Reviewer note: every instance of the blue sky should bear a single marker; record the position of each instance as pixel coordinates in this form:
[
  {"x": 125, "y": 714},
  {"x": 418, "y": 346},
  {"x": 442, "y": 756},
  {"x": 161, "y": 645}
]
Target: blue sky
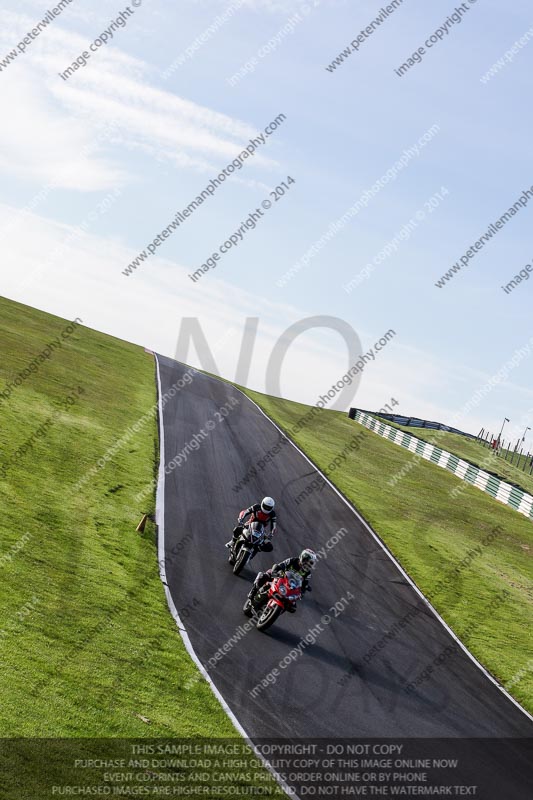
[{"x": 343, "y": 130}]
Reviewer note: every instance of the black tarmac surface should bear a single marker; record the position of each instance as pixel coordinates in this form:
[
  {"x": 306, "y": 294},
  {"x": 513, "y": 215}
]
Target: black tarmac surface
[{"x": 329, "y": 689}]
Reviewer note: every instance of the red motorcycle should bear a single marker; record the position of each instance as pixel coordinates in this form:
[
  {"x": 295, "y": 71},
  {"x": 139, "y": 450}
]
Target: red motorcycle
[{"x": 281, "y": 594}]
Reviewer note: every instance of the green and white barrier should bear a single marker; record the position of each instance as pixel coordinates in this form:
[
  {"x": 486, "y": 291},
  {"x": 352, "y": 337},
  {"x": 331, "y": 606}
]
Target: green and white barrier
[{"x": 497, "y": 488}]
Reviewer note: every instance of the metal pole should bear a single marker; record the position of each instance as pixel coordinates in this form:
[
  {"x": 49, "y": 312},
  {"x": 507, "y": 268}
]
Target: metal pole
[
  {"x": 525, "y": 433},
  {"x": 505, "y": 419}
]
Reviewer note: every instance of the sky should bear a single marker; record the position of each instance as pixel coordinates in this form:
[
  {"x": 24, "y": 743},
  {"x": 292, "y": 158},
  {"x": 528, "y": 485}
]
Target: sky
[{"x": 97, "y": 162}]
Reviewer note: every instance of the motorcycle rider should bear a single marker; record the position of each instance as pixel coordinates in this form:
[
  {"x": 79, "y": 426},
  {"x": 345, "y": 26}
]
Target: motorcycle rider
[
  {"x": 302, "y": 564},
  {"x": 258, "y": 512}
]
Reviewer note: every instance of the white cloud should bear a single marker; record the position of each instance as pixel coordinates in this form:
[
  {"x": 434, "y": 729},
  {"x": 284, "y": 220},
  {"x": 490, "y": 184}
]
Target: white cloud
[
  {"x": 40, "y": 143},
  {"x": 83, "y": 277},
  {"x": 50, "y": 127}
]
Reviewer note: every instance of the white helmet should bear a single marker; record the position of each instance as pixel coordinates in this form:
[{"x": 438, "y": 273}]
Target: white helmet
[
  {"x": 308, "y": 558},
  {"x": 267, "y": 504}
]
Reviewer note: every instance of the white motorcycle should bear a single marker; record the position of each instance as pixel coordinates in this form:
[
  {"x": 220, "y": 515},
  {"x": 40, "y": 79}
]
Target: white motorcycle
[{"x": 252, "y": 540}]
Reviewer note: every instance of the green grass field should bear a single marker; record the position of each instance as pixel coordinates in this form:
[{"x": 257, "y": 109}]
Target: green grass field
[
  {"x": 430, "y": 533},
  {"x": 87, "y": 645},
  {"x": 473, "y": 451}
]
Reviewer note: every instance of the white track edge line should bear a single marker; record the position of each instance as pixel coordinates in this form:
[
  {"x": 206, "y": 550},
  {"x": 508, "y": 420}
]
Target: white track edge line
[
  {"x": 160, "y": 520},
  {"x": 394, "y": 561}
]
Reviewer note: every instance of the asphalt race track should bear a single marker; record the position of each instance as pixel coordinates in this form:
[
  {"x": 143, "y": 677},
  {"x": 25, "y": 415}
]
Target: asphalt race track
[{"x": 329, "y": 690}]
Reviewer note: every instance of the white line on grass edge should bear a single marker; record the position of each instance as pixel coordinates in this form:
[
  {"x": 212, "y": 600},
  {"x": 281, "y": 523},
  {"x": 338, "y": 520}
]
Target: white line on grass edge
[{"x": 160, "y": 520}]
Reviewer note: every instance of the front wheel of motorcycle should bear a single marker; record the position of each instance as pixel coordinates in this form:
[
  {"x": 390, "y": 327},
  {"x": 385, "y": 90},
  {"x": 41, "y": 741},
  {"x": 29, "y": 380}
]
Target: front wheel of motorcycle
[
  {"x": 242, "y": 560},
  {"x": 234, "y": 549},
  {"x": 268, "y": 617},
  {"x": 247, "y": 608}
]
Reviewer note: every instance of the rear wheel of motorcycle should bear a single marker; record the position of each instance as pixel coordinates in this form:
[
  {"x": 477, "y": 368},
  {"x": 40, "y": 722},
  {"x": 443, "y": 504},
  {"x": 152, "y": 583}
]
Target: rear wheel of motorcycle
[
  {"x": 242, "y": 560},
  {"x": 268, "y": 617}
]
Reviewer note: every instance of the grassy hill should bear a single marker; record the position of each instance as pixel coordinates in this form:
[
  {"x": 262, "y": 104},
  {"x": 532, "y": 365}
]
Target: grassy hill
[{"x": 87, "y": 645}]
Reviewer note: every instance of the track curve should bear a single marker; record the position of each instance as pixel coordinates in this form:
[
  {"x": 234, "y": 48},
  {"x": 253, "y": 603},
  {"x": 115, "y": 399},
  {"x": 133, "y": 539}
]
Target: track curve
[{"x": 329, "y": 690}]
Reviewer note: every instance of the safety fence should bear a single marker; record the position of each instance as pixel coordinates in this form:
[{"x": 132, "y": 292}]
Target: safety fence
[
  {"x": 414, "y": 422},
  {"x": 513, "y": 453},
  {"x": 510, "y": 495}
]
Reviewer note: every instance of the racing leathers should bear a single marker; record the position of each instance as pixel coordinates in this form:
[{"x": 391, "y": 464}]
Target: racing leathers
[
  {"x": 255, "y": 514},
  {"x": 293, "y": 564}
]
